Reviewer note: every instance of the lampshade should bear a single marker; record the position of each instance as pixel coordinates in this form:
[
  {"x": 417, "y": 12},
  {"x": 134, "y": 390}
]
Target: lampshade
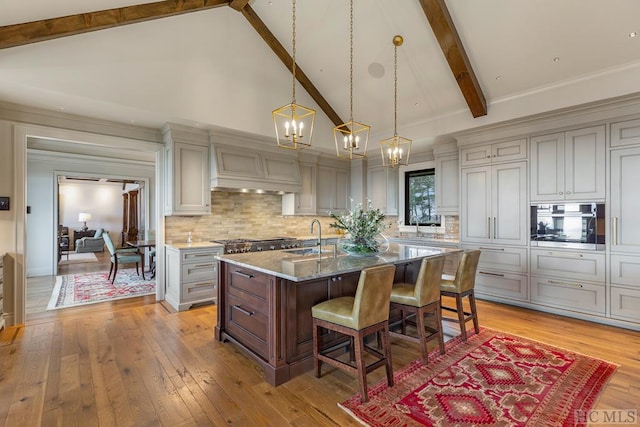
[{"x": 84, "y": 217}]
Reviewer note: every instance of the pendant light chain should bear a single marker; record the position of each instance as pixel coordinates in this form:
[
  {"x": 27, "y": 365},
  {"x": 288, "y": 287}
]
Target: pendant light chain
[
  {"x": 293, "y": 51},
  {"x": 351, "y": 61},
  {"x": 395, "y": 90}
]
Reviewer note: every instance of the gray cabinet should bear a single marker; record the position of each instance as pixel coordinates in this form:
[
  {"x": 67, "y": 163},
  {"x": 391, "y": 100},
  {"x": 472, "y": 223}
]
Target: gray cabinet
[
  {"x": 447, "y": 184},
  {"x": 568, "y": 165},
  {"x": 494, "y": 204},
  {"x": 303, "y": 202},
  {"x": 187, "y": 172},
  {"x": 192, "y": 275},
  {"x": 493, "y": 153},
  {"x": 382, "y": 189},
  {"x": 333, "y": 189},
  {"x": 625, "y": 215}
]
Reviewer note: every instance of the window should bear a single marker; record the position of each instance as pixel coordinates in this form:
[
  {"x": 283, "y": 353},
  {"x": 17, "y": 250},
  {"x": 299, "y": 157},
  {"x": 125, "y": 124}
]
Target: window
[{"x": 420, "y": 198}]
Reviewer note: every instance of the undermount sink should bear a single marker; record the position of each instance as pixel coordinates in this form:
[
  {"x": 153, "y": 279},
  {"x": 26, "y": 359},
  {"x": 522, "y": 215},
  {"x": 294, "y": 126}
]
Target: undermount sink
[{"x": 307, "y": 251}]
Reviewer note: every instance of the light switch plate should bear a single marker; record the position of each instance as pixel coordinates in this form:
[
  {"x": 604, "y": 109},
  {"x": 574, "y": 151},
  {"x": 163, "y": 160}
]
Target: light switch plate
[{"x": 4, "y": 203}]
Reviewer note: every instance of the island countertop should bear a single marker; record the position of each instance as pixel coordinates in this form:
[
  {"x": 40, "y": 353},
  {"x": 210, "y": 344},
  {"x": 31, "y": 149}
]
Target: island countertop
[{"x": 295, "y": 267}]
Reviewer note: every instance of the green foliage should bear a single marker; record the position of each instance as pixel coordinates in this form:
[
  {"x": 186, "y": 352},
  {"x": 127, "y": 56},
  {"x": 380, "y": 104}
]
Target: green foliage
[{"x": 363, "y": 225}]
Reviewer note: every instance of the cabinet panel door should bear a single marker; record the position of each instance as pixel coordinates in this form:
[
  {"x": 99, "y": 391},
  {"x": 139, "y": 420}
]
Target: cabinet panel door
[
  {"x": 343, "y": 185},
  {"x": 191, "y": 179},
  {"x": 377, "y": 188},
  {"x": 625, "y": 270},
  {"x": 306, "y": 199},
  {"x": 447, "y": 184},
  {"x": 509, "y": 150},
  {"x": 509, "y": 207},
  {"x": 625, "y": 303},
  {"x": 475, "y": 155},
  {"x": 547, "y": 167},
  {"x": 585, "y": 164},
  {"x": 476, "y": 205},
  {"x": 625, "y": 133},
  {"x": 625, "y": 203},
  {"x": 325, "y": 187}
]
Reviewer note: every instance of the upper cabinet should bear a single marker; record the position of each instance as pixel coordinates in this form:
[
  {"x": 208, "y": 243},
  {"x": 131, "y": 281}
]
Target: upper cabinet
[
  {"x": 332, "y": 189},
  {"x": 493, "y": 153},
  {"x": 304, "y": 201},
  {"x": 568, "y": 165},
  {"x": 447, "y": 184},
  {"x": 187, "y": 171},
  {"x": 382, "y": 189}
]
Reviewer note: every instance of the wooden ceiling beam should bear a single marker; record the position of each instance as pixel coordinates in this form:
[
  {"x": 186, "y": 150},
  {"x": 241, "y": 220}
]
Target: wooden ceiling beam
[
  {"x": 287, "y": 60},
  {"x": 445, "y": 31},
  {"x": 238, "y": 4},
  {"x": 48, "y": 29}
]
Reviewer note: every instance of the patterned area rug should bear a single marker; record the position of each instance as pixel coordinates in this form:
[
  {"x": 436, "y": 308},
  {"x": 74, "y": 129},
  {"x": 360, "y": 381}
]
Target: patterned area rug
[
  {"x": 495, "y": 379},
  {"x": 89, "y": 288}
]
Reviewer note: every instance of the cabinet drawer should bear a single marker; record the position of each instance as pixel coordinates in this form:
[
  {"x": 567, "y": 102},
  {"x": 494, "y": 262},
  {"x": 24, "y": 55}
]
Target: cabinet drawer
[
  {"x": 247, "y": 282},
  {"x": 625, "y": 303},
  {"x": 505, "y": 285},
  {"x": 200, "y": 290},
  {"x": 206, "y": 255},
  {"x": 501, "y": 258},
  {"x": 247, "y": 324},
  {"x": 625, "y": 270},
  {"x": 569, "y": 265},
  {"x": 576, "y": 296},
  {"x": 203, "y": 270}
]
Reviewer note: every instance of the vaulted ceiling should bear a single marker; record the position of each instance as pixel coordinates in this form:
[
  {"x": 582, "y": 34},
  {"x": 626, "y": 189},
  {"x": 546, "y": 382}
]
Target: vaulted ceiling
[{"x": 463, "y": 63}]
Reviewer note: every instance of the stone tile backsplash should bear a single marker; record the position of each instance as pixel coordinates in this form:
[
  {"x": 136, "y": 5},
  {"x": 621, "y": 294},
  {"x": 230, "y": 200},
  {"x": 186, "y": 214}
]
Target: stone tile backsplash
[{"x": 251, "y": 215}]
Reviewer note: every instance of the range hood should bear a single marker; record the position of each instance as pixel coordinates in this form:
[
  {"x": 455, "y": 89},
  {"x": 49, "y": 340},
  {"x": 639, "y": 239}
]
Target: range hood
[{"x": 248, "y": 170}]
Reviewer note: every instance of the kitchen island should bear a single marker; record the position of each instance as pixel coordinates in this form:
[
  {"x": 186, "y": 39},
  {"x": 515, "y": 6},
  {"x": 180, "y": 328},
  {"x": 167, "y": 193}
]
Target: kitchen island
[{"x": 265, "y": 299}]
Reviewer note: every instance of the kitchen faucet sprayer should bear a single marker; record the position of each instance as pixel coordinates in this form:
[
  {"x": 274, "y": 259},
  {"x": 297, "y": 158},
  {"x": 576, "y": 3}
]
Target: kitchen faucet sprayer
[{"x": 315, "y": 221}]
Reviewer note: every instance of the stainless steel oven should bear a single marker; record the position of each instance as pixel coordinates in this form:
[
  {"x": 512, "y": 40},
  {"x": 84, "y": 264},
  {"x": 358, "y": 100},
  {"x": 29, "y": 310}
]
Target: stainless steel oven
[{"x": 568, "y": 225}]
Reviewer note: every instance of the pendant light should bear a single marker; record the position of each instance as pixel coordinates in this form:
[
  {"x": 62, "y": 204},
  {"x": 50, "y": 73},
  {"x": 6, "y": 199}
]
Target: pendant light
[
  {"x": 293, "y": 122},
  {"x": 395, "y": 150},
  {"x": 352, "y": 137}
]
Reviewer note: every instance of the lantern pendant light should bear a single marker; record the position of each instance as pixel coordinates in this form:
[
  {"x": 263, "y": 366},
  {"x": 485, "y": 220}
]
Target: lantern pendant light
[
  {"x": 351, "y": 138},
  {"x": 395, "y": 150},
  {"x": 293, "y": 122}
]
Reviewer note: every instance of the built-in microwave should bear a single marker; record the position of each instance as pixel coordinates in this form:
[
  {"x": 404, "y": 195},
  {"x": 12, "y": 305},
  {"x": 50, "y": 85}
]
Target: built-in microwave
[{"x": 568, "y": 225}]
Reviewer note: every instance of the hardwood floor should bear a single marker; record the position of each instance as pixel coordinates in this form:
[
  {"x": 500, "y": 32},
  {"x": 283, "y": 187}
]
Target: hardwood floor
[
  {"x": 39, "y": 289},
  {"x": 135, "y": 362}
]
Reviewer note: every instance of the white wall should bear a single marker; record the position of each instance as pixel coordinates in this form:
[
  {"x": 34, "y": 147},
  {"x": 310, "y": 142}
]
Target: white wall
[{"x": 103, "y": 200}]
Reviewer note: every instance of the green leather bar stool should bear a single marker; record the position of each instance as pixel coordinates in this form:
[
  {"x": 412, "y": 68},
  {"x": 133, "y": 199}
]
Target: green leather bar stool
[
  {"x": 462, "y": 286},
  {"x": 421, "y": 300},
  {"x": 365, "y": 314}
]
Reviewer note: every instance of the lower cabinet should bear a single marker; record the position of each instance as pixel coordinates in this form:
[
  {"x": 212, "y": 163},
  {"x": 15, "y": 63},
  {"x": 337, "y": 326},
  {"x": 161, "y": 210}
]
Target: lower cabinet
[
  {"x": 504, "y": 285},
  {"x": 582, "y": 297},
  {"x": 625, "y": 287},
  {"x": 192, "y": 276}
]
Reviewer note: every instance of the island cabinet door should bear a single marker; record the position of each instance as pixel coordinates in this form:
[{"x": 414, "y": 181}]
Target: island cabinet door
[{"x": 300, "y": 297}]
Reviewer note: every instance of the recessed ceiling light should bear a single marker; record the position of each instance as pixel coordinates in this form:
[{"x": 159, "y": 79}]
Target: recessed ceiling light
[
  {"x": 417, "y": 104},
  {"x": 556, "y": 59},
  {"x": 61, "y": 108},
  {"x": 632, "y": 34},
  {"x": 498, "y": 77}
]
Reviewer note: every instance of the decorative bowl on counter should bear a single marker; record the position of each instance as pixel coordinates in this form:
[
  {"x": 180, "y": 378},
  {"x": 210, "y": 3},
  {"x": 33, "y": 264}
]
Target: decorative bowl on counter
[{"x": 363, "y": 247}]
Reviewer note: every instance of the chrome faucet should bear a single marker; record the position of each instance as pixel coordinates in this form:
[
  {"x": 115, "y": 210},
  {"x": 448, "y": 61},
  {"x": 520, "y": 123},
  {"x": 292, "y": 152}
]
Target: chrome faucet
[
  {"x": 315, "y": 221},
  {"x": 415, "y": 218}
]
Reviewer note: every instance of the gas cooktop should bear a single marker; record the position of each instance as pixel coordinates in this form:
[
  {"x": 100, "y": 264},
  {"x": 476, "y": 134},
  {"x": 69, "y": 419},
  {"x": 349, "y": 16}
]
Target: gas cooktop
[{"x": 260, "y": 244}]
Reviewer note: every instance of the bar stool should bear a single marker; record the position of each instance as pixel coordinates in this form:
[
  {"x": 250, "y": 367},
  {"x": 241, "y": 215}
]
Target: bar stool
[
  {"x": 357, "y": 317},
  {"x": 462, "y": 286},
  {"x": 419, "y": 300}
]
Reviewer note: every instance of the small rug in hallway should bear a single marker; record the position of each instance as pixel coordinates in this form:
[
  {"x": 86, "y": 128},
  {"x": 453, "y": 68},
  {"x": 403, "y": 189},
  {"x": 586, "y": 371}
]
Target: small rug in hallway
[
  {"x": 495, "y": 379},
  {"x": 75, "y": 258},
  {"x": 88, "y": 288}
]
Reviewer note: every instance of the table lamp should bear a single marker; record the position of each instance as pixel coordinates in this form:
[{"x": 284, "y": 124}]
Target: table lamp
[{"x": 84, "y": 217}]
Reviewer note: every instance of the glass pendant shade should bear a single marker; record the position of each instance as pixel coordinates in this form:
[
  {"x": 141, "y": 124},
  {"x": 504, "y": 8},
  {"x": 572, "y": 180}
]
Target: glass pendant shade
[
  {"x": 294, "y": 126},
  {"x": 351, "y": 140},
  {"x": 395, "y": 151}
]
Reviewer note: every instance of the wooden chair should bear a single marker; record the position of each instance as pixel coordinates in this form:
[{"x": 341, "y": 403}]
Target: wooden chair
[
  {"x": 365, "y": 314},
  {"x": 419, "y": 300},
  {"x": 122, "y": 256},
  {"x": 462, "y": 286}
]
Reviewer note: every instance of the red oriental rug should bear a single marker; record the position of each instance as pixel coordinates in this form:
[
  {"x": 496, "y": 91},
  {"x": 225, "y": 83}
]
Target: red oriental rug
[
  {"x": 88, "y": 288},
  {"x": 495, "y": 379}
]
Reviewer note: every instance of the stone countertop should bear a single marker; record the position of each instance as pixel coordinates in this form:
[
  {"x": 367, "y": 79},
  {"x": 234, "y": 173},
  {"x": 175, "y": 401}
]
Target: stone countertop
[
  {"x": 425, "y": 241},
  {"x": 193, "y": 245},
  {"x": 299, "y": 268}
]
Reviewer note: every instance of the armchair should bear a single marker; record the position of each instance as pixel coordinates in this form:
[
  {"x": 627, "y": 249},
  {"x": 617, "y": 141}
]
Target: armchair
[{"x": 91, "y": 244}]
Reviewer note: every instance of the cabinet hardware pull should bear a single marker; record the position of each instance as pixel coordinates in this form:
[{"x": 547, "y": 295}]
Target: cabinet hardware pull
[
  {"x": 573, "y": 285},
  {"x": 563, "y": 255},
  {"x": 494, "y": 227},
  {"x": 491, "y": 249},
  {"x": 491, "y": 274},
  {"x": 195, "y": 285},
  {"x": 243, "y": 274},
  {"x": 203, "y": 265},
  {"x": 568, "y": 192},
  {"x": 614, "y": 232},
  {"x": 489, "y": 227},
  {"x": 200, "y": 255},
  {"x": 242, "y": 310}
]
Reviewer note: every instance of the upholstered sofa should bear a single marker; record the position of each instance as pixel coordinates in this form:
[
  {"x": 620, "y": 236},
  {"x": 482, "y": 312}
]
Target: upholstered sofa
[{"x": 91, "y": 244}]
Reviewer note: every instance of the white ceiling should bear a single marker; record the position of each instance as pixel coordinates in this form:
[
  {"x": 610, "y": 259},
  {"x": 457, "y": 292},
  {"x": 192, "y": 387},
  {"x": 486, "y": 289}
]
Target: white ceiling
[{"x": 211, "y": 68}]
